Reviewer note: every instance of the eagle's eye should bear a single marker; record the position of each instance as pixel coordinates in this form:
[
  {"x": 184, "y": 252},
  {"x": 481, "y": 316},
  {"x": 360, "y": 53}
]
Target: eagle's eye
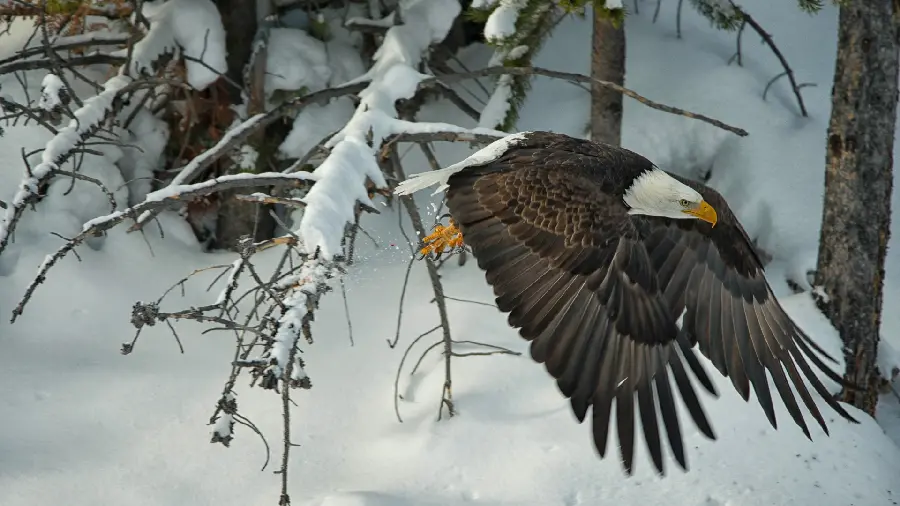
[{"x": 684, "y": 203}]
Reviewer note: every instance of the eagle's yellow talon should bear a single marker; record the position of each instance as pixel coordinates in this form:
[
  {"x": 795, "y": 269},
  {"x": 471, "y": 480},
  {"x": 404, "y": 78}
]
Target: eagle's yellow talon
[{"x": 441, "y": 239}]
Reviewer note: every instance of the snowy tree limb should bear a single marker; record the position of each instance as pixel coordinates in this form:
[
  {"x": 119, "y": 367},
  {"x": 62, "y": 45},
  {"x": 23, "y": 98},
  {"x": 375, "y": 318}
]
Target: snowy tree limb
[
  {"x": 235, "y": 137},
  {"x": 291, "y": 294},
  {"x": 147, "y": 210},
  {"x": 86, "y": 121},
  {"x": 17, "y": 110},
  {"x": 157, "y": 200},
  {"x": 255, "y": 123}
]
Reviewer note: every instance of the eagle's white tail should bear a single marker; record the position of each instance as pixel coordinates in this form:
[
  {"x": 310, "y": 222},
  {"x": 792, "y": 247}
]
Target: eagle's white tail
[
  {"x": 487, "y": 154},
  {"x": 423, "y": 180}
]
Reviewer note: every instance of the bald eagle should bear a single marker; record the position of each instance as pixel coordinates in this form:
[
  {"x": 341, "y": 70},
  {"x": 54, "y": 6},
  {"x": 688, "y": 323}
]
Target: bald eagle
[{"x": 596, "y": 253}]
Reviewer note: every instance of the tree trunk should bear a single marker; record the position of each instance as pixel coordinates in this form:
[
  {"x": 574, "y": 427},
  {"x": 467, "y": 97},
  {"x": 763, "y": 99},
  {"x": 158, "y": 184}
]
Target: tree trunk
[
  {"x": 607, "y": 64},
  {"x": 239, "y": 20},
  {"x": 858, "y": 184},
  {"x": 236, "y": 218}
]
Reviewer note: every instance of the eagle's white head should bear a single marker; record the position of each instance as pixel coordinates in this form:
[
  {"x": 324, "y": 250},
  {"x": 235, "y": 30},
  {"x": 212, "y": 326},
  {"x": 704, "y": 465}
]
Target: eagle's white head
[{"x": 655, "y": 193}]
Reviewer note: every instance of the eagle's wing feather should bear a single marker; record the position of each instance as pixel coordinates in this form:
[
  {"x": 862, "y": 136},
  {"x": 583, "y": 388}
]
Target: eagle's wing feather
[
  {"x": 566, "y": 264},
  {"x": 598, "y": 293},
  {"x": 714, "y": 275}
]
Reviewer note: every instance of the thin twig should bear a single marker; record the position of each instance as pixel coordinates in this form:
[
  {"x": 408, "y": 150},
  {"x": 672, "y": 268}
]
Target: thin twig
[
  {"x": 469, "y": 301},
  {"x": 416, "y": 218},
  {"x": 409, "y": 265},
  {"x": 400, "y": 368},
  {"x": 738, "y": 54}
]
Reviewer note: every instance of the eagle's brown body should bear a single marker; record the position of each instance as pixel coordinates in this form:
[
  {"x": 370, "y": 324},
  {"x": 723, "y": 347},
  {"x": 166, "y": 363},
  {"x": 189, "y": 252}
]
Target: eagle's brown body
[{"x": 598, "y": 291}]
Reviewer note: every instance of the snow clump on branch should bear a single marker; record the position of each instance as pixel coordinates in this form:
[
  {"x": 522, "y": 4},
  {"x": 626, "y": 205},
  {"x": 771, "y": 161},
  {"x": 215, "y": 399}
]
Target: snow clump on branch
[
  {"x": 193, "y": 27},
  {"x": 340, "y": 180}
]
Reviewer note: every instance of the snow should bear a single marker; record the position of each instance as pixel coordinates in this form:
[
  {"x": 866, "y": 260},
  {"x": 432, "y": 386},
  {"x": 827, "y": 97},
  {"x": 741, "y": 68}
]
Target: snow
[
  {"x": 295, "y": 60},
  {"x": 231, "y": 282},
  {"x": 224, "y": 425},
  {"x": 246, "y": 158},
  {"x": 425, "y": 22},
  {"x": 495, "y": 111},
  {"x": 142, "y": 152},
  {"x": 502, "y": 22},
  {"x": 192, "y": 26},
  {"x": 84, "y": 425},
  {"x": 484, "y": 4},
  {"x": 51, "y": 86},
  {"x": 334, "y": 62},
  {"x": 313, "y": 123}
]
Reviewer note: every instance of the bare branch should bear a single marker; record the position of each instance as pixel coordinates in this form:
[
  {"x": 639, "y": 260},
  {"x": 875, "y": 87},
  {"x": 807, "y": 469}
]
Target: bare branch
[
  {"x": 49, "y": 63},
  {"x": 581, "y": 78},
  {"x": 437, "y": 286},
  {"x": 787, "y": 68},
  {"x": 155, "y": 201},
  {"x": 90, "y": 39},
  {"x": 400, "y": 368}
]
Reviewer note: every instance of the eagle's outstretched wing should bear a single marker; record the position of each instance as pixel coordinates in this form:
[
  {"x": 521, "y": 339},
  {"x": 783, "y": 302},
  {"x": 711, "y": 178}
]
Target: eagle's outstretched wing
[
  {"x": 598, "y": 294},
  {"x": 567, "y": 265},
  {"x": 714, "y": 275}
]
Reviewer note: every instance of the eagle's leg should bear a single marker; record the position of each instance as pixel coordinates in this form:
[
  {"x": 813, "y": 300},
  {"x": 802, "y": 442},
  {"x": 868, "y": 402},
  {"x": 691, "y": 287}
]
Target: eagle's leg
[{"x": 442, "y": 239}]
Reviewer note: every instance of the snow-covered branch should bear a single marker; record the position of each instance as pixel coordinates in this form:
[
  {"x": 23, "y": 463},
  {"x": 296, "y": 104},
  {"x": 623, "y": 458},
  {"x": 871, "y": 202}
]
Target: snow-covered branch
[
  {"x": 192, "y": 27},
  {"x": 157, "y": 200},
  {"x": 87, "y": 120},
  {"x": 340, "y": 179},
  {"x": 393, "y": 76}
]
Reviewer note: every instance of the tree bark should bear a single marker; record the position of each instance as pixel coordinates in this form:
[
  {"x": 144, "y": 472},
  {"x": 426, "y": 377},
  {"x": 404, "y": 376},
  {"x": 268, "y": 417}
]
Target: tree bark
[
  {"x": 607, "y": 64},
  {"x": 241, "y": 19},
  {"x": 858, "y": 185}
]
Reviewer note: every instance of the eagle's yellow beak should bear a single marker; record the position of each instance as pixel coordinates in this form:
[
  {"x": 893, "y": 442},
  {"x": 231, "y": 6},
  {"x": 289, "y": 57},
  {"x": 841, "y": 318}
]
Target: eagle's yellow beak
[{"x": 704, "y": 212}]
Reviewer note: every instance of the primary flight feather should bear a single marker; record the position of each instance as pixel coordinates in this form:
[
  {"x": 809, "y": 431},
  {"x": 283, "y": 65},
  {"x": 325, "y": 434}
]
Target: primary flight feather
[{"x": 595, "y": 253}]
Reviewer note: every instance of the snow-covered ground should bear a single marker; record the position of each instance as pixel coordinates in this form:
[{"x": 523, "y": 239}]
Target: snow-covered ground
[{"x": 83, "y": 425}]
